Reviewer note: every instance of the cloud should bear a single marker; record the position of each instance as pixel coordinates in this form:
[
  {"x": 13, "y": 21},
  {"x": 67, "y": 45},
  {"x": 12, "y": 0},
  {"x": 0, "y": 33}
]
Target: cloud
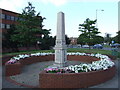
[
  {"x": 17, "y": 5},
  {"x": 11, "y": 4},
  {"x": 55, "y": 2},
  {"x": 62, "y": 2},
  {"x": 93, "y": 0}
]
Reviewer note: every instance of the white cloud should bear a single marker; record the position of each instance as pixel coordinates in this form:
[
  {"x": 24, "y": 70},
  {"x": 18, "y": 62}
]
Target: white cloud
[
  {"x": 11, "y": 4},
  {"x": 93, "y": 0},
  {"x": 58, "y": 3},
  {"x": 55, "y": 2},
  {"x": 15, "y": 5}
]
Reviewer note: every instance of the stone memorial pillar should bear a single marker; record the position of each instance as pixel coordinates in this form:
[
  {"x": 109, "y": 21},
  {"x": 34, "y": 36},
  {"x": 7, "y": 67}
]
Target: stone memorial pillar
[{"x": 60, "y": 47}]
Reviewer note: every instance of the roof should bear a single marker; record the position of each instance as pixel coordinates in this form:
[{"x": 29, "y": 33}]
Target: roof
[{"x": 9, "y": 11}]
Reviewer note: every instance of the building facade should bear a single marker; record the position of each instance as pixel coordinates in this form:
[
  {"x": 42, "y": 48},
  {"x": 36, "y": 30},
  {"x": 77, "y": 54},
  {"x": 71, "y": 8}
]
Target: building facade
[
  {"x": 73, "y": 41},
  {"x": 7, "y": 18}
]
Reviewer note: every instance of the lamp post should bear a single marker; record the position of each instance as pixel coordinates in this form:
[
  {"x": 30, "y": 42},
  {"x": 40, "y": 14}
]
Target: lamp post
[
  {"x": 38, "y": 44},
  {"x": 96, "y": 15}
]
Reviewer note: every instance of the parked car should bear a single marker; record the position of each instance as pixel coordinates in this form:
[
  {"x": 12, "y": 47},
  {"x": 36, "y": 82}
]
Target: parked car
[
  {"x": 97, "y": 46},
  {"x": 115, "y": 45},
  {"x": 85, "y": 46}
]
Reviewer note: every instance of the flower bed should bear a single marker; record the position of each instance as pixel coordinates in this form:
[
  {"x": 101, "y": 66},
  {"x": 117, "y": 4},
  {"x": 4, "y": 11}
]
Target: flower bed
[
  {"x": 103, "y": 63},
  {"x": 6, "y": 58},
  {"x": 23, "y": 56},
  {"x": 78, "y": 76},
  {"x": 94, "y": 66},
  {"x": 18, "y": 58},
  {"x": 75, "y": 80},
  {"x": 15, "y": 64},
  {"x": 98, "y": 69}
]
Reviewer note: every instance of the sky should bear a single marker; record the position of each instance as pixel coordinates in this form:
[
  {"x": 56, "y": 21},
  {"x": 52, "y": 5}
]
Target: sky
[{"x": 76, "y": 12}]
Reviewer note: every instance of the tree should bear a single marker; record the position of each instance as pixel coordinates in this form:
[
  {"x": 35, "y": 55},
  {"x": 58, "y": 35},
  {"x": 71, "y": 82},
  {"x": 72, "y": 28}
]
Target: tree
[
  {"x": 7, "y": 42},
  {"x": 67, "y": 39},
  {"x": 47, "y": 42},
  {"x": 108, "y": 38},
  {"x": 117, "y": 37},
  {"x": 82, "y": 39},
  {"x": 29, "y": 29},
  {"x": 89, "y": 32},
  {"x": 96, "y": 39}
]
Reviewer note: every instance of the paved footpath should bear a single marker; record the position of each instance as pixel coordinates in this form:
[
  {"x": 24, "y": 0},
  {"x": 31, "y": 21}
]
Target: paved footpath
[
  {"x": 32, "y": 71},
  {"x": 114, "y": 82},
  {"x": 0, "y": 77}
]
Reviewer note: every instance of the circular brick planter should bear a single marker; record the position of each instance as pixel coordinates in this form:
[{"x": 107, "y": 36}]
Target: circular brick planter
[
  {"x": 65, "y": 80},
  {"x": 14, "y": 69},
  {"x": 75, "y": 80}
]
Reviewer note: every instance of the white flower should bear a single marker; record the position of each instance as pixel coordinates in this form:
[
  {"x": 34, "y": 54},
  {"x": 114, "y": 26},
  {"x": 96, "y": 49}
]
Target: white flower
[
  {"x": 21, "y": 56},
  {"x": 16, "y": 58},
  {"x": 92, "y": 55},
  {"x": 33, "y": 54},
  {"x": 72, "y": 69},
  {"x": 26, "y": 55},
  {"x": 76, "y": 71},
  {"x": 37, "y": 54},
  {"x": 103, "y": 64}
]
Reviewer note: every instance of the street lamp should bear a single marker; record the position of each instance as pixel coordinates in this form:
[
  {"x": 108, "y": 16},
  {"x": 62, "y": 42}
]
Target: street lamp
[{"x": 96, "y": 14}]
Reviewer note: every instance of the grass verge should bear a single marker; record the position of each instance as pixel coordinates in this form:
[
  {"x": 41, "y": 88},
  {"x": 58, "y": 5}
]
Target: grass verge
[{"x": 68, "y": 50}]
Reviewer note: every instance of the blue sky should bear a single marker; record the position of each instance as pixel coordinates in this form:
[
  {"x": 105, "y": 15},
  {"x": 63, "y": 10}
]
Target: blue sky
[{"x": 76, "y": 12}]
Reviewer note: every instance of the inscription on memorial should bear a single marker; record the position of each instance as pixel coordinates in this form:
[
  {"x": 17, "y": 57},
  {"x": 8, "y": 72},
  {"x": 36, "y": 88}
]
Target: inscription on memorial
[{"x": 59, "y": 42}]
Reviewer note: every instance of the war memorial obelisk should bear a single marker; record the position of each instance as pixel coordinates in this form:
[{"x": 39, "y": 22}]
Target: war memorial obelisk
[{"x": 60, "y": 47}]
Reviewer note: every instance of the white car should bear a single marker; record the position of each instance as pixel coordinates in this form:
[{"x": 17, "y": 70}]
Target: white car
[{"x": 85, "y": 46}]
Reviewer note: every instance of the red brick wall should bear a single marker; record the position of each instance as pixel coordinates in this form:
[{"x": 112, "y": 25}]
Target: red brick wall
[
  {"x": 81, "y": 58},
  {"x": 13, "y": 69},
  {"x": 35, "y": 59},
  {"x": 6, "y": 58},
  {"x": 8, "y": 21},
  {"x": 75, "y": 80}
]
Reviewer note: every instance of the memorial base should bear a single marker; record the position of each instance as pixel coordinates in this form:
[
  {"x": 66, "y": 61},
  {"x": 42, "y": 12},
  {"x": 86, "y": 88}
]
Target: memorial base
[{"x": 58, "y": 65}]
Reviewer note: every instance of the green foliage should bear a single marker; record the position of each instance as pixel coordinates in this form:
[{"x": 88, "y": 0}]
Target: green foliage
[
  {"x": 88, "y": 28},
  {"x": 7, "y": 42},
  {"x": 117, "y": 37},
  {"x": 97, "y": 40},
  {"x": 66, "y": 38},
  {"x": 47, "y": 42},
  {"x": 101, "y": 51},
  {"x": 108, "y": 38},
  {"x": 89, "y": 33},
  {"x": 29, "y": 29},
  {"x": 68, "y": 50},
  {"x": 82, "y": 39}
]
